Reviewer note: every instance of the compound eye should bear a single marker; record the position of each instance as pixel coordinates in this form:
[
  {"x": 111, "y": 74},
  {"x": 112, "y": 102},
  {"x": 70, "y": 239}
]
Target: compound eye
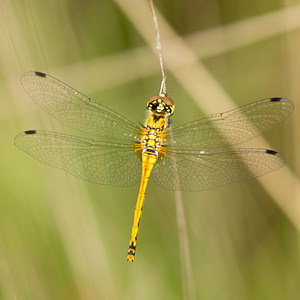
[
  {"x": 166, "y": 99},
  {"x": 153, "y": 98}
]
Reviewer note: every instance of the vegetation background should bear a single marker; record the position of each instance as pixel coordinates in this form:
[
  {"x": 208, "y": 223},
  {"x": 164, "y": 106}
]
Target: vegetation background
[{"x": 62, "y": 238}]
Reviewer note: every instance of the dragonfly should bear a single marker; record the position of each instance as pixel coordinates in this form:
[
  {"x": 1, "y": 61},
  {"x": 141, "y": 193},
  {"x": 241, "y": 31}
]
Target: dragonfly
[{"x": 195, "y": 156}]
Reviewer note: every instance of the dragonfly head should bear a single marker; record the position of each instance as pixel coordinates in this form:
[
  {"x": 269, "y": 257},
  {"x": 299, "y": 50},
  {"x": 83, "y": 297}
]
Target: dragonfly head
[{"x": 161, "y": 104}]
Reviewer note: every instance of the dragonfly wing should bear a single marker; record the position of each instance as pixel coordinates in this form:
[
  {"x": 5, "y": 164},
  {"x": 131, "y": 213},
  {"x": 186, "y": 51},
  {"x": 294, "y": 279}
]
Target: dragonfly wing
[
  {"x": 94, "y": 161},
  {"x": 232, "y": 127},
  {"x": 190, "y": 171},
  {"x": 76, "y": 110}
]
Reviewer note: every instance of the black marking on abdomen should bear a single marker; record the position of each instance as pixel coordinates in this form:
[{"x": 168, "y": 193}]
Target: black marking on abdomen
[
  {"x": 132, "y": 247},
  {"x": 30, "y": 132},
  {"x": 41, "y": 74}
]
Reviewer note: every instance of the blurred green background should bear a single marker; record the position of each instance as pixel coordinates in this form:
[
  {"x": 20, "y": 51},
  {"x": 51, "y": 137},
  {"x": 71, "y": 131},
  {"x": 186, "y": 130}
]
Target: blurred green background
[{"x": 62, "y": 238}]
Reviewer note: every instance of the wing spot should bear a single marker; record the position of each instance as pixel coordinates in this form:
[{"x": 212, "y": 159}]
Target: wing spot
[
  {"x": 276, "y": 99},
  {"x": 30, "y": 132},
  {"x": 271, "y": 152},
  {"x": 41, "y": 74}
]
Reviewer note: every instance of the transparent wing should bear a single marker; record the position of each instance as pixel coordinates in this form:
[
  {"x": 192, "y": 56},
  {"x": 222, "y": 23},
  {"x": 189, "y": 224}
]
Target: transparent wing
[
  {"x": 97, "y": 162},
  {"x": 232, "y": 127},
  {"x": 190, "y": 171},
  {"x": 76, "y": 110}
]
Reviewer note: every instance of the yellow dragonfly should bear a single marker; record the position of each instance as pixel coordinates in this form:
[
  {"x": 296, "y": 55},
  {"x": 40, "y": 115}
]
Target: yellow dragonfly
[{"x": 195, "y": 156}]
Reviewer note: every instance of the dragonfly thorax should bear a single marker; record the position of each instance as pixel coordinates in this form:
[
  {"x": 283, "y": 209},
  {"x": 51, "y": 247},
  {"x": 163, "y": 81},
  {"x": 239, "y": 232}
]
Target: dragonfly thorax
[{"x": 152, "y": 140}]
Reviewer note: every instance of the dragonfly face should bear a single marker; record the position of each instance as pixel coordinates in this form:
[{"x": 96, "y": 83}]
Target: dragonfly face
[
  {"x": 161, "y": 104},
  {"x": 195, "y": 156}
]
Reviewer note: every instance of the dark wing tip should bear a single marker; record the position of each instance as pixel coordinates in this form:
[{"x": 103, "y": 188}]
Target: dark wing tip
[
  {"x": 280, "y": 99},
  {"x": 279, "y": 157},
  {"x": 29, "y": 74},
  {"x": 287, "y": 104},
  {"x": 19, "y": 138}
]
